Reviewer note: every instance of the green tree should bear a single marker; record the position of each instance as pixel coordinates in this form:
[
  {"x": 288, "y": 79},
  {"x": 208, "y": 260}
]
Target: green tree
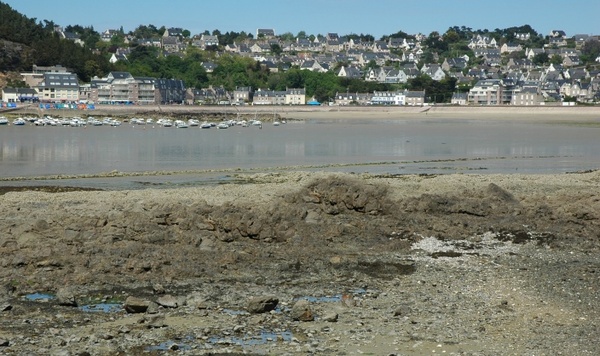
[
  {"x": 556, "y": 59},
  {"x": 590, "y": 51},
  {"x": 118, "y": 40},
  {"x": 286, "y": 36},
  {"x": 276, "y": 49},
  {"x": 436, "y": 43},
  {"x": 143, "y": 31},
  {"x": 451, "y": 36},
  {"x": 540, "y": 59}
]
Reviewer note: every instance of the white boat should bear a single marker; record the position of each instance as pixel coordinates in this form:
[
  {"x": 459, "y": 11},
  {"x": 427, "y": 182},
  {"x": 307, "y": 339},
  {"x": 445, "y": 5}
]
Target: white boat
[
  {"x": 193, "y": 122},
  {"x": 180, "y": 124},
  {"x": 276, "y": 123},
  {"x": 77, "y": 122},
  {"x": 205, "y": 125},
  {"x": 223, "y": 126},
  {"x": 3, "y": 121},
  {"x": 19, "y": 121}
]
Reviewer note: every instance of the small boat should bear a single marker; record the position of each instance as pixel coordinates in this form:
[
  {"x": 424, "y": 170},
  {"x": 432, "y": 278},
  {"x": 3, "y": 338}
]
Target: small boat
[
  {"x": 223, "y": 126},
  {"x": 205, "y": 125},
  {"x": 3, "y": 121},
  {"x": 180, "y": 124},
  {"x": 276, "y": 123},
  {"x": 19, "y": 121}
]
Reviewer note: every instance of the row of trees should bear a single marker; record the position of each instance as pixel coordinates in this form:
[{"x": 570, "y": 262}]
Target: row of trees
[{"x": 38, "y": 43}]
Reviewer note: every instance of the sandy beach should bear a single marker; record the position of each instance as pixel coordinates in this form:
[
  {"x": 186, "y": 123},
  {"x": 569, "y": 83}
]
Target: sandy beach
[{"x": 538, "y": 113}]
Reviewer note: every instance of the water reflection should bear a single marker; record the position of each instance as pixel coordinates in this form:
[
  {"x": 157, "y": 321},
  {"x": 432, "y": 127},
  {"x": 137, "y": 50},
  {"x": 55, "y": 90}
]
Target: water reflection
[{"x": 30, "y": 150}]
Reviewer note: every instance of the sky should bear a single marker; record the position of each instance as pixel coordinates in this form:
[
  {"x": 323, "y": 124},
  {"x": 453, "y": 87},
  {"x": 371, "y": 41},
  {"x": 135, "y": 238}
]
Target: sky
[{"x": 376, "y": 17}]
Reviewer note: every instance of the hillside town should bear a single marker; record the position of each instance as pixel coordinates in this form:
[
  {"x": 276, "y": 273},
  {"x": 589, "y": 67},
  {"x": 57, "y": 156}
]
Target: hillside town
[{"x": 497, "y": 73}]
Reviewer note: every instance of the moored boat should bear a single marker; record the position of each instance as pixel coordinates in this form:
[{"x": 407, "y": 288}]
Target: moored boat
[
  {"x": 180, "y": 124},
  {"x": 19, "y": 121}
]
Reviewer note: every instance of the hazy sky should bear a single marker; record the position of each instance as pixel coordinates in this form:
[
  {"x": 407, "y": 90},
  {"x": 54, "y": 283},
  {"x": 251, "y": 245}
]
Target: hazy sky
[{"x": 377, "y": 17}]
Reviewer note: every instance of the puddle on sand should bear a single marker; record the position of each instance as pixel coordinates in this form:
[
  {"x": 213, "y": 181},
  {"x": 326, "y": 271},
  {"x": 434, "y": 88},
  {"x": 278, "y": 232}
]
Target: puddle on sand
[
  {"x": 101, "y": 308},
  {"x": 38, "y": 297},
  {"x": 168, "y": 346}
]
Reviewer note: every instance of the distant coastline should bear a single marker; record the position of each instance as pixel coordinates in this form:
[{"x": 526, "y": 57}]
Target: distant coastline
[{"x": 535, "y": 113}]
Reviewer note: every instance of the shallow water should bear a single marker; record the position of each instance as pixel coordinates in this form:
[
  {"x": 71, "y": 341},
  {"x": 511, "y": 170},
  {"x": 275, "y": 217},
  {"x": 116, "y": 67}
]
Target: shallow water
[{"x": 375, "y": 146}]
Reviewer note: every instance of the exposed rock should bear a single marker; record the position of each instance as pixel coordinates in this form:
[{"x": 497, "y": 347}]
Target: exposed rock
[
  {"x": 302, "y": 311},
  {"x": 153, "y": 308},
  {"x": 5, "y": 305},
  {"x": 136, "y": 305},
  {"x": 66, "y": 296},
  {"x": 330, "y": 316},
  {"x": 154, "y": 321},
  {"x": 168, "y": 301},
  {"x": 158, "y": 289},
  {"x": 264, "y": 304}
]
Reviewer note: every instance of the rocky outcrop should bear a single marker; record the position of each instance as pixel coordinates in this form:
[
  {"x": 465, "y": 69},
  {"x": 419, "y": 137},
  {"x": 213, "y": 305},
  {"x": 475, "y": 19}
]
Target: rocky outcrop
[{"x": 358, "y": 264}]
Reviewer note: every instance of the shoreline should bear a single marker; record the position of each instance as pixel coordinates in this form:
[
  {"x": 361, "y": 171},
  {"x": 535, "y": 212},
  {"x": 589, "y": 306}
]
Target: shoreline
[{"x": 537, "y": 113}]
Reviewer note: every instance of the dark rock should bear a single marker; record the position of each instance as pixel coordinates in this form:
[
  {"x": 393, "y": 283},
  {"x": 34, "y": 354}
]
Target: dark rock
[
  {"x": 262, "y": 304},
  {"x": 5, "y": 305}
]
